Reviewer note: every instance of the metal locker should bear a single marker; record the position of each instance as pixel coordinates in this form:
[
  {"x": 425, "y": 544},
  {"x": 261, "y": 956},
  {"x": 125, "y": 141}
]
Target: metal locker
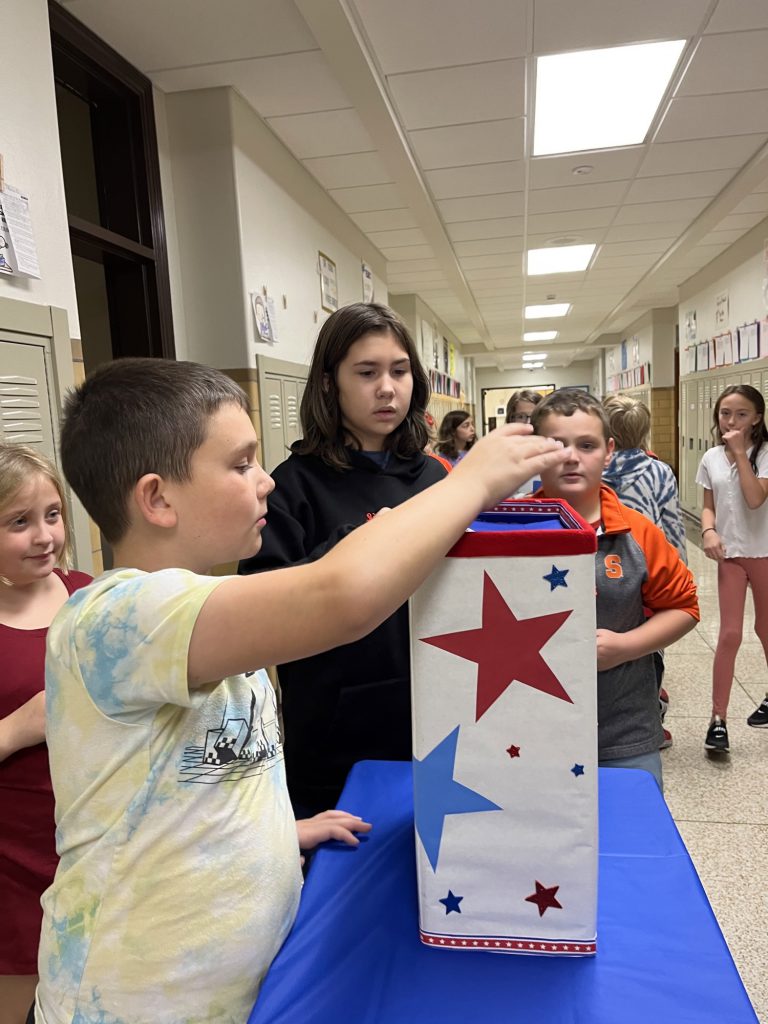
[{"x": 25, "y": 406}]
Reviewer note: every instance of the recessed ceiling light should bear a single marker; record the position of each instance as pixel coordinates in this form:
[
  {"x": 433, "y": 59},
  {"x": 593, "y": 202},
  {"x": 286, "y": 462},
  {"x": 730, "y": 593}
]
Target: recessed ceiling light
[
  {"x": 535, "y": 355},
  {"x": 532, "y": 366},
  {"x": 576, "y": 110},
  {"x": 539, "y": 335},
  {"x": 583, "y": 169},
  {"x": 551, "y": 309},
  {"x": 563, "y": 259}
]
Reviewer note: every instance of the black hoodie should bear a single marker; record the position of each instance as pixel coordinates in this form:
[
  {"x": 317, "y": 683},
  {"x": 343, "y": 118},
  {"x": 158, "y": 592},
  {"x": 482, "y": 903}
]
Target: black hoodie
[{"x": 353, "y": 702}]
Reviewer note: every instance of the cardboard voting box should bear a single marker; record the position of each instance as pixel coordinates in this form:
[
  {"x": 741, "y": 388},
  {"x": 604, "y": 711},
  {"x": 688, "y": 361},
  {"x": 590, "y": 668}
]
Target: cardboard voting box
[{"x": 504, "y": 700}]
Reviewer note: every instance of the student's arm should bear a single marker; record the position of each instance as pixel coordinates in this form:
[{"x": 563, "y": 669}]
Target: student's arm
[
  {"x": 338, "y": 825},
  {"x": 293, "y": 613},
  {"x": 661, "y": 630},
  {"x": 24, "y": 727},
  {"x": 754, "y": 488},
  {"x": 710, "y": 538}
]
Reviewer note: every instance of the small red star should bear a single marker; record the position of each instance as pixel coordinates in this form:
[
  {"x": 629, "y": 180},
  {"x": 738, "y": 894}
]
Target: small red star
[
  {"x": 505, "y": 649},
  {"x": 544, "y": 898},
  {"x": 513, "y": 751}
]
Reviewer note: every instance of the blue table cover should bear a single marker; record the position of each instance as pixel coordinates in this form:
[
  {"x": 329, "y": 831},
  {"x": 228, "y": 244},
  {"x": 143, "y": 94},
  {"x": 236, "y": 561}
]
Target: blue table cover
[{"x": 354, "y": 954}]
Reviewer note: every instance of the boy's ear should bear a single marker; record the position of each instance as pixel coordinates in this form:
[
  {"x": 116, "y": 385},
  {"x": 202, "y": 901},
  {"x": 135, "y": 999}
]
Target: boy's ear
[
  {"x": 150, "y": 498},
  {"x": 610, "y": 447}
]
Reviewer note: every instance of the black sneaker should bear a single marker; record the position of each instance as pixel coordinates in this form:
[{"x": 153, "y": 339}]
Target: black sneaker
[
  {"x": 717, "y": 736},
  {"x": 759, "y": 718}
]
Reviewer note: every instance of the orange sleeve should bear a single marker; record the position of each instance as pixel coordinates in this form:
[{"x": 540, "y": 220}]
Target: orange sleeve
[{"x": 670, "y": 582}]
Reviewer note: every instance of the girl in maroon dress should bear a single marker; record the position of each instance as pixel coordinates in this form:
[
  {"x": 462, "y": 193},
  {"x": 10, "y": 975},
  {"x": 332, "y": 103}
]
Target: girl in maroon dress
[{"x": 34, "y": 584}]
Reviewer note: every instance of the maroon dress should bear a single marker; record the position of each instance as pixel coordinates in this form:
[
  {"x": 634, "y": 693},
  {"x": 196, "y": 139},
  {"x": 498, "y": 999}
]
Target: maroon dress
[{"x": 27, "y": 831}]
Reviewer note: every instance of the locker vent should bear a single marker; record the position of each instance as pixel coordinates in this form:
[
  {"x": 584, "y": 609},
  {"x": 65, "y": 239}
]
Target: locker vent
[{"x": 20, "y": 409}]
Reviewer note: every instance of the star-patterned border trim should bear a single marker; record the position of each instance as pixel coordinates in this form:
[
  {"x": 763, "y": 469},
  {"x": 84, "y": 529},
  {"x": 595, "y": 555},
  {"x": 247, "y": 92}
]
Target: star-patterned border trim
[{"x": 531, "y": 946}]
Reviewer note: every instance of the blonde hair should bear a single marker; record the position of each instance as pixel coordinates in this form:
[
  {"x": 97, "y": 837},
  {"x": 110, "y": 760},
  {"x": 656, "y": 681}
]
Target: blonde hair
[
  {"x": 630, "y": 421},
  {"x": 18, "y": 464}
]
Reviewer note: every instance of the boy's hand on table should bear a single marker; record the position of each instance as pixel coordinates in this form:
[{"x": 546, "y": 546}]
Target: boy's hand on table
[
  {"x": 612, "y": 649},
  {"x": 337, "y": 825}
]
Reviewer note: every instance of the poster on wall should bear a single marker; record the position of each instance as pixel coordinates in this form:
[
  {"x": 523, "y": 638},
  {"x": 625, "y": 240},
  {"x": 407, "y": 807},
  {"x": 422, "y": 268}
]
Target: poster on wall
[
  {"x": 329, "y": 288},
  {"x": 624, "y": 354},
  {"x": 635, "y": 350},
  {"x": 690, "y": 326},
  {"x": 721, "y": 310},
  {"x": 264, "y": 317},
  {"x": 367, "y": 283}
]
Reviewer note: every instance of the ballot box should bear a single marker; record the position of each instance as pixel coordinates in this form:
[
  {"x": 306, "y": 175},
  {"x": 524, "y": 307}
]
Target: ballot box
[{"x": 504, "y": 703}]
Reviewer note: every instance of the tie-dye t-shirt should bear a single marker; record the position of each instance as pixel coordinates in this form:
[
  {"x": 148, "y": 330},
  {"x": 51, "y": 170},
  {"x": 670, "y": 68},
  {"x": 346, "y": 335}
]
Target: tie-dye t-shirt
[{"x": 179, "y": 875}]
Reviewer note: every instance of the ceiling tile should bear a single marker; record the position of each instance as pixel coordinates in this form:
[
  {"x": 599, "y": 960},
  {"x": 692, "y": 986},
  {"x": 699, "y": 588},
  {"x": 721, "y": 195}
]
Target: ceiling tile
[
  {"x": 506, "y": 204},
  {"x": 176, "y": 33},
  {"x": 734, "y": 62},
  {"x": 329, "y": 133},
  {"x": 743, "y": 221},
  {"x": 651, "y": 246},
  {"x": 706, "y": 117},
  {"x": 608, "y": 165},
  {"x": 345, "y": 171},
  {"x": 723, "y": 237},
  {"x": 570, "y": 220},
  {"x": 367, "y": 197},
  {"x": 407, "y": 252},
  {"x": 576, "y": 197},
  {"x": 294, "y": 83},
  {"x": 699, "y": 155},
  {"x": 486, "y": 246},
  {"x": 478, "y": 229},
  {"x": 678, "y": 186},
  {"x": 384, "y": 220},
  {"x": 499, "y": 259},
  {"x": 756, "y": 203},
  {"x": 476, "y": 180},
  {"x": 411, "y": 266},
  {"x": 407, "y": 236},
  {"x": 608, "y": 261},
  {"x": 462, "y": 144},
  {"x": 477, "y": 92},
  {"x": 438, "y": 33},
  {"x": 640, "y": 213},
  {"x": 735, "y": 15},
  {"x": 560, "y": 27},
  {"x": 642, "y": 230}
]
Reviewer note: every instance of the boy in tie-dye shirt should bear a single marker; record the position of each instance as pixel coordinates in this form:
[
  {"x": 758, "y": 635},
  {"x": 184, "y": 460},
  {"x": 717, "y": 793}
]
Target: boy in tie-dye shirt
[{"x": 179, "y": 874}]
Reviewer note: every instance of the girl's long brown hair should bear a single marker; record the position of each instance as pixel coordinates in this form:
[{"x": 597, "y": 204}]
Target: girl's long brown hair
[{"x": 759, "y": 433}]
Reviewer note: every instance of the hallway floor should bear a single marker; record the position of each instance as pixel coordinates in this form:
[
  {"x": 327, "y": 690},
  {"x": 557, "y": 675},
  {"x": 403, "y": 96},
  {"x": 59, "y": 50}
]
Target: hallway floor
[{"x": 720, "y": 802}]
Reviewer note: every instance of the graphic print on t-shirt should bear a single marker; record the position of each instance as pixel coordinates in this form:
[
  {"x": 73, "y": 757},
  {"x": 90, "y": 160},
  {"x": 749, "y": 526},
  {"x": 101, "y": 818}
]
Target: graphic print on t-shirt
[{"x": 243, "y": 745}]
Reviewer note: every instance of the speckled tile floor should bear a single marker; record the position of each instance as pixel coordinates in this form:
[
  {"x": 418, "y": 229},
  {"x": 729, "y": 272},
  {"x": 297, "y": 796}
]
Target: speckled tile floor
[{"x": 720, "y": 802}]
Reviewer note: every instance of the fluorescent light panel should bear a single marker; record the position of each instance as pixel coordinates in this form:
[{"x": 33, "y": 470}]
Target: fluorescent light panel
[
  {"x": 551, "y": 309},
  {"x": 535, "y": 355},
  {"x": 597, "y": 99},
  {"x": 532, "y": 366},
  {"x": 560, "y": 259},
  {"x": 539, "y": 335}
]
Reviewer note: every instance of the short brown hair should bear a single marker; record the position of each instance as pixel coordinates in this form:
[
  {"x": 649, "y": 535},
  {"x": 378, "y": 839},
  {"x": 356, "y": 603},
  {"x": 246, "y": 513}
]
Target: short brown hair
[
  {"x": 566, "y": 402},
  {"x": 18, "y": 464},
  {"x": 132, "y": 417},
  {"x": 629, "y": 419},
  {"x": 524, "y": 395},
  {"x": 323, "y": 432}
]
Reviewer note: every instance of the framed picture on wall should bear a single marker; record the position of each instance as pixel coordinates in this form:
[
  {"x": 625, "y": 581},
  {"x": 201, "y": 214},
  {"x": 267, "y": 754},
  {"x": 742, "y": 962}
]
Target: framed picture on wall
[{"x": 329, "y": 288}]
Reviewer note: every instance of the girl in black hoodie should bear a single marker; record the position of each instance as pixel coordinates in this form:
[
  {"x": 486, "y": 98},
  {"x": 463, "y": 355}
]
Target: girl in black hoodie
[{"x": 364, "y": 431}]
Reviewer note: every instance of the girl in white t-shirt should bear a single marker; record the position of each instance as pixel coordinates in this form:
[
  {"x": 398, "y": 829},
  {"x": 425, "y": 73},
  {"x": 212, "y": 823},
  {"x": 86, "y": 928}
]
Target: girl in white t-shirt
[{"x": 734, "y": 530}]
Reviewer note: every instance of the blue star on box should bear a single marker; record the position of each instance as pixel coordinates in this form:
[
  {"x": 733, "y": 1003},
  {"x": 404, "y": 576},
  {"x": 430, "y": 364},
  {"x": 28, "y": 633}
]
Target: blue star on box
[
  {"x": 578, "y": 769},
  {"x": 451, "y": 903},
  {"x": 436, "y": 794},
  {"x": 556, "y": 578}
]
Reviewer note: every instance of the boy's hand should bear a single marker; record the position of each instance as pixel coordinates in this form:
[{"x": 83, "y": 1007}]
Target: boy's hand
[
  {"x": 612, "y": 649},
  {"x": 327, "y": 825},
  {"x": 507, "y": 457},
  {"x": 713, "y": 546}
]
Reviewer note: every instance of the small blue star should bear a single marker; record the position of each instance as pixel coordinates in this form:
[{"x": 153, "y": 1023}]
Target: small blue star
[
  {"x": 556, "y": 578},
  {"x": 578, "y": 769},
  {"x": 451, "y": 903}
]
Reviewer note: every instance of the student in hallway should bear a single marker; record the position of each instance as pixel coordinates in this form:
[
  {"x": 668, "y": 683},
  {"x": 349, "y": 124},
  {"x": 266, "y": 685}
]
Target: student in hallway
[
  {"x": 734, "y": 533},
  {"x": 364, "y": 430},
  {"x": 457, "y": 435},
  {"x": 35, "y": 581},
  {"x": 635, "y": 568},
  {"x": 179, "y": 875}
]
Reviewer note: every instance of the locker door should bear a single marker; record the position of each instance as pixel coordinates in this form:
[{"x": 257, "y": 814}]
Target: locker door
[
  {"x": 25, "y": 408},
  {"x": 272, "y": 419},
  {"x": 291, "y": 428}
]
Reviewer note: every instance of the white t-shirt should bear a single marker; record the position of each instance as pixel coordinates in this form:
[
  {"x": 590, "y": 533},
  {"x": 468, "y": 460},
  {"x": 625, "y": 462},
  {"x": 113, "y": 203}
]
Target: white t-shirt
[
  {"x": 179, "y": 876},
  {"x": 743, "y": 530}
]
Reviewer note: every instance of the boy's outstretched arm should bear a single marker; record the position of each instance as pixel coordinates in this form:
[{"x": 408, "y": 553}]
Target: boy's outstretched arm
[{"x": 299, "y": 611}]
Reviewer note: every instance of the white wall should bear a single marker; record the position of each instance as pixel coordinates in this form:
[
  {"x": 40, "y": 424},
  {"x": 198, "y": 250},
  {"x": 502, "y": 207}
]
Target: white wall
[
  {"x": 171, "y": 227},
  {"x": 29, "y": 143},
  {"x": 741, "y": 272},
  {"x": 560, "y": 376},
  {"x": 285, "y": 218}
]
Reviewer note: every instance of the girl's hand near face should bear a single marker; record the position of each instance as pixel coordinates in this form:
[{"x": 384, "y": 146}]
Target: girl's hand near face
[{"x": 735, "y": 442}]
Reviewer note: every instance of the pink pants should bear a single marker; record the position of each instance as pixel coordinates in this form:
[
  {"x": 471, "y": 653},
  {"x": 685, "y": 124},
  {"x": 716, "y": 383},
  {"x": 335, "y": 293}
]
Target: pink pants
[{"x": 733, "y": 574}]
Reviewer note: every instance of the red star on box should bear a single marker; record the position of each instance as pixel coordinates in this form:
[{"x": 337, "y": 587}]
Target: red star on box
[
  {"x": 506, "y": 649},
  {"x": 544, "y": 898},
  {"x": 513, "y": 751}
]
